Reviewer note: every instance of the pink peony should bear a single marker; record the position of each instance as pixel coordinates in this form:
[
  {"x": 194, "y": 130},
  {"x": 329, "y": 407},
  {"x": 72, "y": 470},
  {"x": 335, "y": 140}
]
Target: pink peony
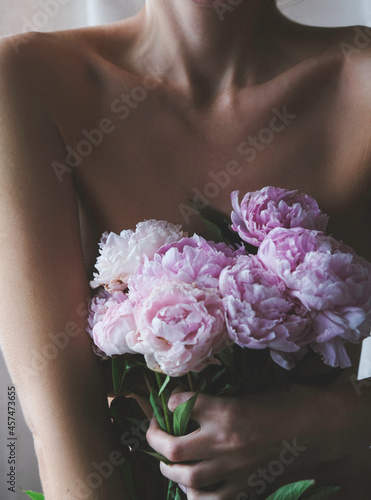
[
  {"x": 121, "y": 254},
  {"x": 110, "y": 320},
  {"x": 327, "y": 278},
  {"x": 97, "y": 308},
  {"x": 264, "y": 210},
  {"x": 259, "y": 314},
  {"x": 190, "y": 260},
  {"x": 317, "y": 269},
  {"x": 196, "y": 241},
  {"x": 180, "y": 328},
  {"x": 336, "y": 326}
]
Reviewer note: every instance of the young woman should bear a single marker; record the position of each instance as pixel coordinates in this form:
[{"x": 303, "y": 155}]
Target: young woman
[{"x": 106, "y": 126}]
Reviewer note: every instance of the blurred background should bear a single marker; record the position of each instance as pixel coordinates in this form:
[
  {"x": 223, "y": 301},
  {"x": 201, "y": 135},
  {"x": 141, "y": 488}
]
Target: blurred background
[{"x": 17, "y": 16}]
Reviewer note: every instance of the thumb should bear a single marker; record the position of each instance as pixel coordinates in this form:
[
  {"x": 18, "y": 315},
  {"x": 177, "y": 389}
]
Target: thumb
[{"x": 178, "y": 397}]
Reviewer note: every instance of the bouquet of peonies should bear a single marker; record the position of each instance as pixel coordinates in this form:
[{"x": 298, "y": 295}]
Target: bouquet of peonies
[{"x": 227, "y": 319}]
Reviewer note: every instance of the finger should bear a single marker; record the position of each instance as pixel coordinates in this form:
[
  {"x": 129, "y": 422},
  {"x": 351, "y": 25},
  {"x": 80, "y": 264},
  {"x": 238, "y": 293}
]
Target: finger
[
  {"x": 197, "y": 475},
  {"x": 178, "y": 397},
  {"x": 192, "y": 447},
  {"x": 204, "y": 407}
]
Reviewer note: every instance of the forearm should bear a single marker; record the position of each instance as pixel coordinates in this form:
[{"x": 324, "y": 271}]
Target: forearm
[
  {"x": 332, "y": 422},
  {"x": 80, "y": 463},
  {"x": 61, "y": 388}
]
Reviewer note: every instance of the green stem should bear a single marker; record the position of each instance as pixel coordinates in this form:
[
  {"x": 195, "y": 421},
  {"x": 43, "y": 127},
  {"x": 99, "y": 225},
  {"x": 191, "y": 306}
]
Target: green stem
[
  {"x": 148, "y": 383},
  {"x": 164, "y": 403},
  {"x": 190, "y": 381}
]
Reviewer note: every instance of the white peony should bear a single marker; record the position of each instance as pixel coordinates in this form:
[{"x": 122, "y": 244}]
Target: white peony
[{"x": 121, "y": 254}]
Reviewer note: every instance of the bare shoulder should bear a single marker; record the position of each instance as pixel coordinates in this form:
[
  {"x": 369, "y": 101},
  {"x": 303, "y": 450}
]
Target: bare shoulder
[
  {"x": 356, "y": 82},
  {"x": 355, "y": 41},
  {"x": 95, "y": 38},
  {"x": 36, "y": 50},
  {"x": 356, "y": 50},
  {"x": 351, "y": 46},
  {"x": 42, "y": 62},
  {"x": 355, "y": 47}
]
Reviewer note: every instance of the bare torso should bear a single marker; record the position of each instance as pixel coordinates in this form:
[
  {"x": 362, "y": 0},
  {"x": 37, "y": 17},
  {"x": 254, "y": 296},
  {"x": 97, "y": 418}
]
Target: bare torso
[
  {"x": 307, "y": 127},
  {"x": 159, "y": 148}
]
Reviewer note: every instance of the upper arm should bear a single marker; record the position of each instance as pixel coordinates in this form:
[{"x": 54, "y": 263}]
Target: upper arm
[
  {"x": 357, "y": 92},
  {"x": 42, "y": 274}
]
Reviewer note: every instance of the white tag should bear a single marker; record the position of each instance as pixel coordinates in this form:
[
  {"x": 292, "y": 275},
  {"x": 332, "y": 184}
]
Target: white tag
[{"x": 364, "y": 369}]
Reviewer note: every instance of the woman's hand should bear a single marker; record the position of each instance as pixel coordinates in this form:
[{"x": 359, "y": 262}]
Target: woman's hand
[
  {"x": 236, "y": 437},
  {"x": 253, "y": 444}
]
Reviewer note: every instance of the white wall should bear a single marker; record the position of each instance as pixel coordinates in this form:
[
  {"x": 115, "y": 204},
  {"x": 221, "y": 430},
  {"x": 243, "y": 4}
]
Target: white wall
[{"x": 328, "y": 12}]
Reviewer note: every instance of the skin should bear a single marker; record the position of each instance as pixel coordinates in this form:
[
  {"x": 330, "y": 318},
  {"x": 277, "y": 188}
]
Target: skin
[{"x": 215, "y": 85}]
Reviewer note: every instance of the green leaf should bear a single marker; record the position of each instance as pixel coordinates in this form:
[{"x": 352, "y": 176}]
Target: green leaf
[
  {"x": 119, "y": 368},
  {"x": 172, "y": 489},
  {"x": 127, "y": 473},
  {"x": 227, "y": 390},
  {"x": 136, "y": 421},
  {"x": 157, "y": 408},
  {"x": 34, "y": 495},
  {"x": 158, "y": 456},
  {"x": 203, "y": 386},
  {"x": 182, "y": 416},
  {"x": 132, "y": 362},
  {"x": 218, "y": 374},
  {"x": 291, "y": 491},
  {"x": 215, "y": 231},
  {"x": 167, "y": 380},
  {"x": 177, "y": 494},
  {"x": 324, "y": 493},
  {"x": 226, "y": 356}
]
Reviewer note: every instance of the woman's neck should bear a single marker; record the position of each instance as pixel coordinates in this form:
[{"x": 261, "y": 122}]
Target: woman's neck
[{"x": 213, "y": 46}]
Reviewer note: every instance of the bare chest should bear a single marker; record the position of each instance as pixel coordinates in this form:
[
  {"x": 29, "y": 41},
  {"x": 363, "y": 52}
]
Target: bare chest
[{"x": 143, "y": 156}]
